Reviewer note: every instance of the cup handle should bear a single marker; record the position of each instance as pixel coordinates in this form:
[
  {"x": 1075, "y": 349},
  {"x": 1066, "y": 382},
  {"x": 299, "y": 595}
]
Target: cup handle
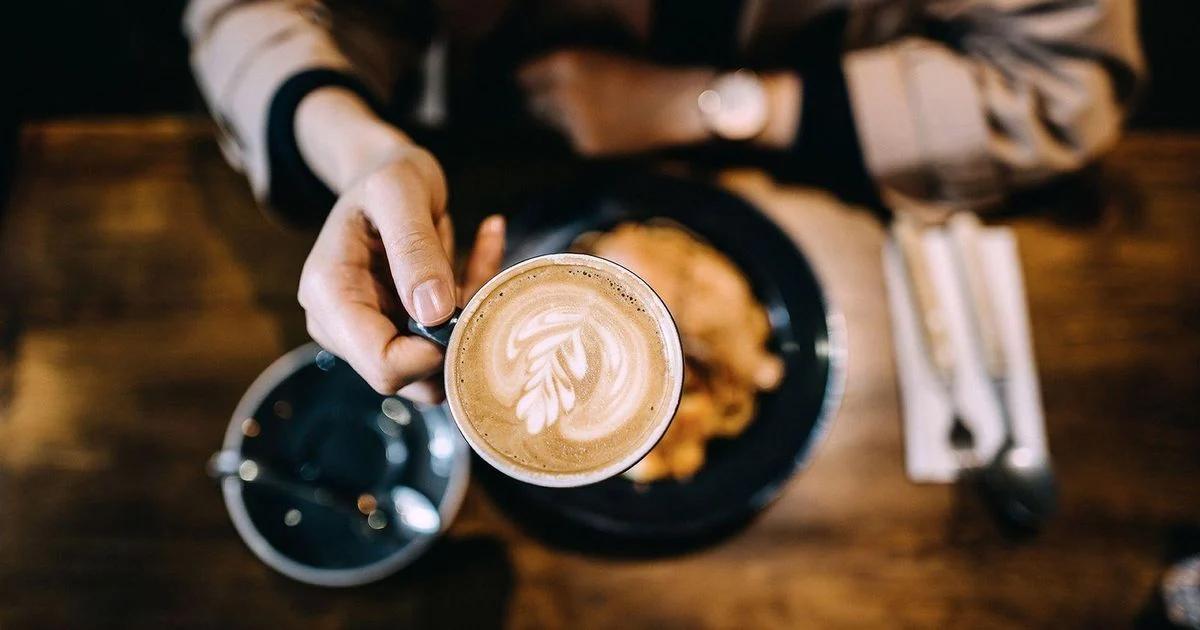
[{"x": 439, "y": 334}]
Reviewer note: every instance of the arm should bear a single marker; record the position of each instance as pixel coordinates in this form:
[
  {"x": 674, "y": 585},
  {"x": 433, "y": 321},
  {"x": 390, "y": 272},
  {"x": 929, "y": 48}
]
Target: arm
[
  {"x": 609, "y": 104},
  {"x": 1000, "y": 95},
  {"x": 294, "y": 110},
  {"x": 997, "y": 95},
  {"x": 256, "y": 60},
  {"x": 340, "y": 137}
]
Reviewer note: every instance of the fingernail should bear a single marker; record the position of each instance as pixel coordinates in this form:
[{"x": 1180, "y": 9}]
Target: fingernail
[
  {"x": 432, "y": 301},
  {"x": 493, "y": 224}
]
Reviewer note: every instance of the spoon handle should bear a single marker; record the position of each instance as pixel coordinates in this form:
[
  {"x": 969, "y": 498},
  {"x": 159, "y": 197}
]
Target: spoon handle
[
  {"x": 231, "y": 464},
  {"x": 966, "y": 232}
]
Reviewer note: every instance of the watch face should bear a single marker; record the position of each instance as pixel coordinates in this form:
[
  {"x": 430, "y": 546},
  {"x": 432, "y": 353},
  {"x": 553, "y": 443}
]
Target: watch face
[{"x": 735, "y": 107}]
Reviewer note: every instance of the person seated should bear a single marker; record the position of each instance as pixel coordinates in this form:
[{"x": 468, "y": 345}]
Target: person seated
[{"x": 951, "y": 103}]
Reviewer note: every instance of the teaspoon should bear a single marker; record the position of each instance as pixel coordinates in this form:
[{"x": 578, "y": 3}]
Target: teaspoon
[
  {"x": 408, "y": 511},
  {"x": 1019, "y": 480}
]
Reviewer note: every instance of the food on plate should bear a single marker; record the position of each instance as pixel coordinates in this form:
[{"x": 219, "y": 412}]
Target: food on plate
[{"x": 724, "y": 330}]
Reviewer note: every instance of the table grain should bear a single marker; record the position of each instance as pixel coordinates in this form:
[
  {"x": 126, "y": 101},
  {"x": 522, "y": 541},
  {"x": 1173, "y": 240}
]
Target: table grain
[{"x": 141, "y": 291}]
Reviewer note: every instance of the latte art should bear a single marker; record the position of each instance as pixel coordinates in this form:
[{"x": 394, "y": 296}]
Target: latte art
[
  {"x": 554, "y": 368},
  {"x": 564, "y": 369},
  {"x": 553, "y": 357}
]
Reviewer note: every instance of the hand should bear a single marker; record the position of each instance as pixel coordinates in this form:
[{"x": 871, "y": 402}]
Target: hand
[
  {"x": 607, "y": 104},
  {"x": 385, "y": 253}
]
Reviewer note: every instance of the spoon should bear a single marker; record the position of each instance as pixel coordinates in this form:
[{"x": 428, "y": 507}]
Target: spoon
[
  {"x": 1021, "y": 485},
  {"x": 414, "y": 511},
  {"x": 409, "y": 511},
  {"x": 1020, "y": 481}
]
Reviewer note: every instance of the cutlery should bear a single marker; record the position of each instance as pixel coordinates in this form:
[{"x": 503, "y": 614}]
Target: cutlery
[
  {"x": 1022, "y": 481},
  {"x": 409, "y": 511},
  {"x": 936, "y": 341}
]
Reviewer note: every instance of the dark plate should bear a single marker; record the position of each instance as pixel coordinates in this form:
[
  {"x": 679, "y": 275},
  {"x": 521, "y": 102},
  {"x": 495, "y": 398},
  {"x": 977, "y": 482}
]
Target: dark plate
[{"x": 743, "y": 474}]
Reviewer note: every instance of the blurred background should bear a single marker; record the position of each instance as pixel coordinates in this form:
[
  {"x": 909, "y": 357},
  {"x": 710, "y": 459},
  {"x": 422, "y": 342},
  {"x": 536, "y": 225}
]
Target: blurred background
[
  {"x": 141, "y": 292},
  {"x": 131, "y": 58}
]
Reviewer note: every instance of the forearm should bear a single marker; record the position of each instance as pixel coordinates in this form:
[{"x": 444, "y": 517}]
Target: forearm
[
  {"x": 964, "y": 120},
  {"x": 341, "y": 138}
]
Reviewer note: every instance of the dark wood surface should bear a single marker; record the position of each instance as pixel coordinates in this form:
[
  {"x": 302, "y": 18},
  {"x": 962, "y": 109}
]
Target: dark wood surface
[{"x": 142, "y": 291}]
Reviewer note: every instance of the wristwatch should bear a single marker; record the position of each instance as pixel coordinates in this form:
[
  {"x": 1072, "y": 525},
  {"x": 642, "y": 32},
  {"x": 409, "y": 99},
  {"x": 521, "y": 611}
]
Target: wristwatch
[{"x": 734, "y": 107}]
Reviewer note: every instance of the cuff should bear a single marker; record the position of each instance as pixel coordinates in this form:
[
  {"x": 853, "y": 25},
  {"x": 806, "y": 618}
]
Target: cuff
[
  {"x": 921, "y": 123},
  {"x": 295, "y": 192},
  {"x": 826, "y": 152},
  {"x": 242, "y": 53}
]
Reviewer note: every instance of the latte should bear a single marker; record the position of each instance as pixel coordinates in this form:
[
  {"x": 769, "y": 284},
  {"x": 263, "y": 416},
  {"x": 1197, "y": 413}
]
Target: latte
[{"x": 564, "y": 370}]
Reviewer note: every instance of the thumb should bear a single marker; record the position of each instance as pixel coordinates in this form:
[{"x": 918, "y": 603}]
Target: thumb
[
  {"x": 397, "y": 201},
  {"x": 486, "y": 255}
]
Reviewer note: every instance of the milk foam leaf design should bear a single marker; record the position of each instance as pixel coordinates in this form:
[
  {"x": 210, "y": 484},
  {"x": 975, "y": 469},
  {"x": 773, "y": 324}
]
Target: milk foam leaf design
[
  {"x": 548, "y": 349},
  {"x": 620, "y": 385}
]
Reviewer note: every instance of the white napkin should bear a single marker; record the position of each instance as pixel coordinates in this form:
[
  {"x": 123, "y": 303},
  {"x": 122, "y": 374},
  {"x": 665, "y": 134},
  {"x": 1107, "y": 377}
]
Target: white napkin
[{"x": 927, "y": 411}]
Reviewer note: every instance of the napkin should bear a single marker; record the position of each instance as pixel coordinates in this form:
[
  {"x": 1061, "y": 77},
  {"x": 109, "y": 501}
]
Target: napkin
[{"x": 927, "y": 409}]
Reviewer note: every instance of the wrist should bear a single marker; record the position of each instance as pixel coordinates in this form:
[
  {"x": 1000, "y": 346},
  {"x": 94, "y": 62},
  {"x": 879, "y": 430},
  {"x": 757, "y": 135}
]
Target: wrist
[
  {"x": 744, "y": 106},
  {"x": 684, "y": 124},
  {"x": 341, "y": 138},
  {"x": 785, "y": 93}
]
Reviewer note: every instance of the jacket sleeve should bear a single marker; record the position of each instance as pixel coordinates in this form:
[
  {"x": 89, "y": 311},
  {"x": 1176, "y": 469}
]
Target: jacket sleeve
[
  {"x": 254, "y": 60},
  {"x": 993, "y": 95}
]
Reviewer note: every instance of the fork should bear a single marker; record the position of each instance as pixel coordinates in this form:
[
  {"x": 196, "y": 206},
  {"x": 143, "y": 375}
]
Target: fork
[{"x": 936, "y": 342}]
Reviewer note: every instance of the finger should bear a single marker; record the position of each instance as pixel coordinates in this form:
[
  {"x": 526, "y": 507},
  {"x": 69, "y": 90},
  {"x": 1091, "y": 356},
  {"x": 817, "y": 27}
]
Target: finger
[
  {"x": 546, "y": 108},
  {"x": 486, "y": 255},
  {"x": 374, "y": 347},
  {"x": 317, "y": 333},
  {"x": 541, "y": 73},
  {"x": 445, "y": 230},
  {"x": 430, "y": 391},
  {"x": 345, "y": 307},
  {"x": 403, "y": 211},
  {"x": 550, "y": 70}
]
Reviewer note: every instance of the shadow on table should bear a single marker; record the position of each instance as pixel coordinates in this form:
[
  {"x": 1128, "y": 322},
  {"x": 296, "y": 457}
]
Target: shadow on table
[
  {"x": 976, "y": 516},
  {"x": 1083, "y": 200},
  {"x": 1183, "y": 541},
  {"x": 458, "y": 583},
  {"x": 565, "y": 534}
]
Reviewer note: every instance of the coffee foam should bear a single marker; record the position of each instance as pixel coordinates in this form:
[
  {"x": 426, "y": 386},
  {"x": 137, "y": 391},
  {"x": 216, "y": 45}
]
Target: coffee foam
[{"x": 564, "y": 369}]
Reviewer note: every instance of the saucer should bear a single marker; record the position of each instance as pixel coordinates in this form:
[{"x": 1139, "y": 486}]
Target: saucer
[{"x": 314, "y": 423}]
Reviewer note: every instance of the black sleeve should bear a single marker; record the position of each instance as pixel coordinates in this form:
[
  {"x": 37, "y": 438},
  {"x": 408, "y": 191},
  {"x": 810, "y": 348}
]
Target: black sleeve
[
  {"x": 826, "y": 152},
  {"x": 296, "y": 193}
]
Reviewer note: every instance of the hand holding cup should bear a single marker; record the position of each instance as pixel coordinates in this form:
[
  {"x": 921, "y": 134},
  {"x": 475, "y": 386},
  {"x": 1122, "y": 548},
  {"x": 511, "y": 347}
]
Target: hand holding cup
[{"x": 384, "y": 255}]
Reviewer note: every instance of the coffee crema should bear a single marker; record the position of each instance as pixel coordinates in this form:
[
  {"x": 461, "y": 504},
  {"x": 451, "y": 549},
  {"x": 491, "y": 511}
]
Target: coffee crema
[{"x": 565, "y": 369}]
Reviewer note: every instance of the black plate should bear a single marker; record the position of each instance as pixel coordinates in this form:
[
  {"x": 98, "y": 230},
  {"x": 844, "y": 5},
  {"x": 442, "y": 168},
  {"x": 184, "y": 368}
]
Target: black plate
[{"x": 743, "y": 474}]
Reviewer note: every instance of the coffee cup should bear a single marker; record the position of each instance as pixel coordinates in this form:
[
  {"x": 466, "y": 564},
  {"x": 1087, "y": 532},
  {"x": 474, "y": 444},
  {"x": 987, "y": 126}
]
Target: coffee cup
[{"x": 562, "y": 370}]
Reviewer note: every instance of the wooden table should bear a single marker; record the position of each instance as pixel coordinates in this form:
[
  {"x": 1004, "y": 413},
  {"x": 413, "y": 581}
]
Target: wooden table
[{"x": 144, "y": 291}]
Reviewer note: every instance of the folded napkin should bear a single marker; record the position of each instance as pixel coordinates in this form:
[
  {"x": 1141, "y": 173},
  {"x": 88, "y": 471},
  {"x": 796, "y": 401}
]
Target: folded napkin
[{"x": 926, "y": 407}]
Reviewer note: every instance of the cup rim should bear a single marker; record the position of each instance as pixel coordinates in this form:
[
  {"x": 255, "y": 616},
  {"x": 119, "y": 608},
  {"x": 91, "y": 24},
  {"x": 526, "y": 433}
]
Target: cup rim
[{"x": 670, "y": 332}]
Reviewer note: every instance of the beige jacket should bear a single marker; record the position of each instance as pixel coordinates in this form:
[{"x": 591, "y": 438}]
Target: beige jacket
[{"x": 1023, "y": 91}]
